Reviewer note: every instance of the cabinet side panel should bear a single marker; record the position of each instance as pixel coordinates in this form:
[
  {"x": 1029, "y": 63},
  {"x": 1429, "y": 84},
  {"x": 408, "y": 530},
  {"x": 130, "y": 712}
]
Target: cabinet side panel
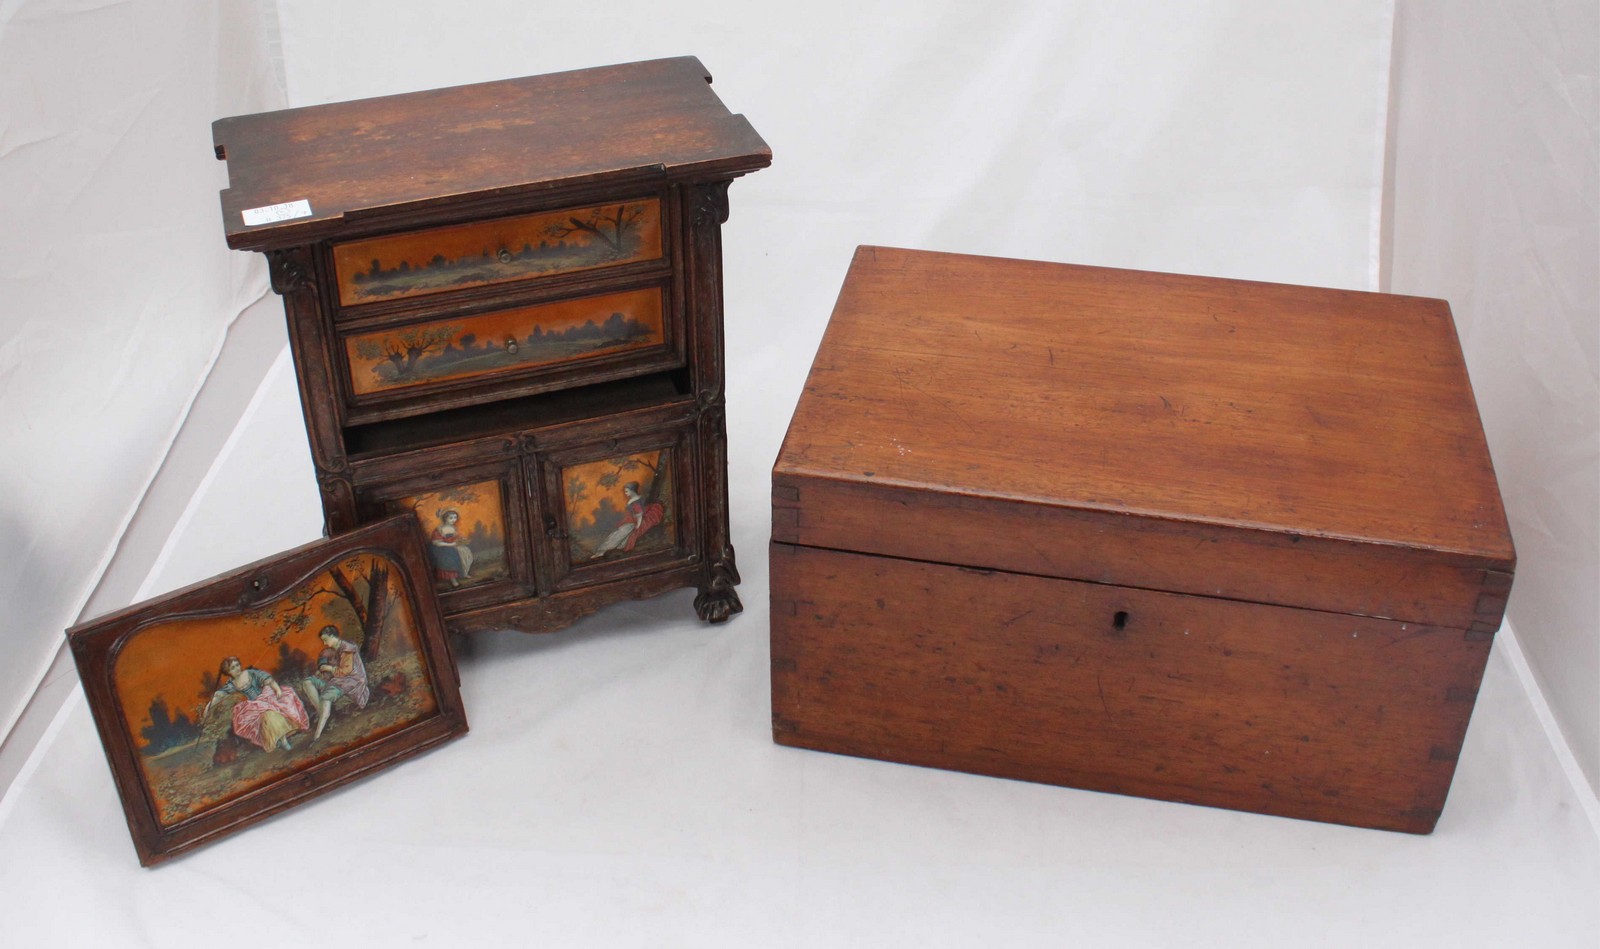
[{"x": 1237, "y": 705}]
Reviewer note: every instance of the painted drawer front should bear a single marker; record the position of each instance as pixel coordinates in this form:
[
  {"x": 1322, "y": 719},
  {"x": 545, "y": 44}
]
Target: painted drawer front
[
  {"x": 505, "y": 341},
  {"x": 511, "y": 248}
]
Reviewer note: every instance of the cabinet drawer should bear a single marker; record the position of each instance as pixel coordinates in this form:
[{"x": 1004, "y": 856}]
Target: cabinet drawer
[
  {"x": 569, "y": 240},
  {"x": 515, "y": 341}
]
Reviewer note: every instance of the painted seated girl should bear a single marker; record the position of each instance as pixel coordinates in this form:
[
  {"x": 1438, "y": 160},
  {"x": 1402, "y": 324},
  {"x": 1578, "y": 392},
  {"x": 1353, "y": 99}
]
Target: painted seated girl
[
  {"x": 642, "y": 516},
  {"x": 452, "y": 558},
  {"x": 268, "y": 713}
]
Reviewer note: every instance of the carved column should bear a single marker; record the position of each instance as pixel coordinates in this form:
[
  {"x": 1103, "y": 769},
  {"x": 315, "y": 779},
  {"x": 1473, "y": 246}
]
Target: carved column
[
  {"x": 293, "y": 274},
  {"x": 707, "y": 208}
]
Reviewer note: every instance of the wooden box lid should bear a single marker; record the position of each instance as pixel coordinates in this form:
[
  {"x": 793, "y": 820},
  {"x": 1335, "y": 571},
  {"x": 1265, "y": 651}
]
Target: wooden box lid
[
  {"x": 1278, "y": 444},
  {"x": 371, "y": 158}
]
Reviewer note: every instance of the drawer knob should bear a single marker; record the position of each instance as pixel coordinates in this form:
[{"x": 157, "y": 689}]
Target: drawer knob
[
  {"x": 504, "y": 255},
  {"x": 511, "y": 344}
]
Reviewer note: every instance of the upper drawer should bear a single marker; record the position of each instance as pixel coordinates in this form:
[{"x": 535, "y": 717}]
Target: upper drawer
[{"x": 499, "y": 250}]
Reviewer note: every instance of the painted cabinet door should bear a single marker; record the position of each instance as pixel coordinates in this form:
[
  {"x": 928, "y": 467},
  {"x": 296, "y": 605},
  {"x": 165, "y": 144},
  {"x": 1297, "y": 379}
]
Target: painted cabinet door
[
  {"x": 472, "y": 520},
  {"x": 618, "y": 507}
]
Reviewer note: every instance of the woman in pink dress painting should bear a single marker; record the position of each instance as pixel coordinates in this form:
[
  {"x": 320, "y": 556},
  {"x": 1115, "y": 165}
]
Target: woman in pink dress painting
[{"x": 268, "y": 715}]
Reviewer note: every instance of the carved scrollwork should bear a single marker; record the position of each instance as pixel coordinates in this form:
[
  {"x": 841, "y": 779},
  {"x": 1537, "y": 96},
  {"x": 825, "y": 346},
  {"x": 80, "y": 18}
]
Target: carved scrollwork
[
  {"x": 710, "y": 204},
  {"x": 338, "y": 501},
  {"x": 289, "y": 270},
  {"x": 713, "y": 417}
]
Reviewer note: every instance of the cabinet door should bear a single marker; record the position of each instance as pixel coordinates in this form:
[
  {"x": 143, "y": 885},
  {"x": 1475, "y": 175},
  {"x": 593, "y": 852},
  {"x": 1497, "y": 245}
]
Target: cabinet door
[
  {"x": 620, "y": 506},
  {"x": 472, "y": 520}
]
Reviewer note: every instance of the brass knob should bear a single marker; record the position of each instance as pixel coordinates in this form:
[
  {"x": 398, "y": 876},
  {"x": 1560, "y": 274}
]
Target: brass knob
[{"x": 504, "y": 255}]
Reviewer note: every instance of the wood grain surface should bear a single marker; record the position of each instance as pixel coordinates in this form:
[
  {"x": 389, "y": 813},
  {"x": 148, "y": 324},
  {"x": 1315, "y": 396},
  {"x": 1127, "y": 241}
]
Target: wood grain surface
[
  {"x": 657, "y": 119},
  {"x": 233, "y": 597},
  {"x": 1193, "y": 699},
  {"x": 570, "y": 225},
  {"x": 1319, "y": 446},
  {"x": 1202, "y": 540}
]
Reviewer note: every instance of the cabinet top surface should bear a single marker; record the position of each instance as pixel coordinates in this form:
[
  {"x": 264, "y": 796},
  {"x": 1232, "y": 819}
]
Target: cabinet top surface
[
  {"x": 382, "y": 156},
  {"x": 1327, "y": 413}
]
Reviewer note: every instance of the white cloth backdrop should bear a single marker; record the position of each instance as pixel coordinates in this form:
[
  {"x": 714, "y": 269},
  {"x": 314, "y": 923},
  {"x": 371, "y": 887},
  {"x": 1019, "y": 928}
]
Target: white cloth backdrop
[
  {"x": 620, "y": 786},
  {"x": 116, "y": 287},
  {"x": 1497, "y": 207},
  {"x": 1229, "y": 137},
  {"x": 1225, "y": 137}
]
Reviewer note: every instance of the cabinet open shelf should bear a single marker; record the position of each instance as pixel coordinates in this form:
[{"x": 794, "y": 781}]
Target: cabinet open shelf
[{"x": 545, "y": 410}]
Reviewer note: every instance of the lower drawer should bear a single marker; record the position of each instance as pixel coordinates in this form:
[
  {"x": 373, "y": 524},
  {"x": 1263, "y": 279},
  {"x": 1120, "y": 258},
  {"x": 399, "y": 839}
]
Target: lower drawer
[{"x": 1297, "y": 713}]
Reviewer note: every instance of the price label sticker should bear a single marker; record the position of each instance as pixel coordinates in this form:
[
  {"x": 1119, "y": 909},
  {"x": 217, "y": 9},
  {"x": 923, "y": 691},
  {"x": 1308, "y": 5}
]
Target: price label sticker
[{"x": 273, "y": 213}]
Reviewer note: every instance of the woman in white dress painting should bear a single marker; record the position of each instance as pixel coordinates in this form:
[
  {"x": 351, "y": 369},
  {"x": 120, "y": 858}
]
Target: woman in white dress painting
[{"x": 642, "y": 516}]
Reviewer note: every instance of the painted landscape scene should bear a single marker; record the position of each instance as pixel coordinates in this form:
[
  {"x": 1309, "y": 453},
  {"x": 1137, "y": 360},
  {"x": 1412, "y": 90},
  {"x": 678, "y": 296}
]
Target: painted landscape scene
[
  {"x": 620, "y": 506},
  {"x": 505, "y": 340},
  {"x": 220, "y": 706},
  {"x": 470, "y": 255}
]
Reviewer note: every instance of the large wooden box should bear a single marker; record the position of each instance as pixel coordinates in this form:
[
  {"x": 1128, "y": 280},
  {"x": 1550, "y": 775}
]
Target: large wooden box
[{"x": 1211, "y": 541}]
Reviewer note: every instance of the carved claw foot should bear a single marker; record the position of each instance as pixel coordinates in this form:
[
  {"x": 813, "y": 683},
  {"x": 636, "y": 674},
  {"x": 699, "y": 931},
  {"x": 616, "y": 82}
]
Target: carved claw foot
[{"x": 717, "y": 604}]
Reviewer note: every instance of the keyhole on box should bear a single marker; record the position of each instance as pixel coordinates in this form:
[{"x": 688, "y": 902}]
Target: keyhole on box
[{"x": 1120, "y": 620}]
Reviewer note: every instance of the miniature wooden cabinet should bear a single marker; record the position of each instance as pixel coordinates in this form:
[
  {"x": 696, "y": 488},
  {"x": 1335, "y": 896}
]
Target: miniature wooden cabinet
[{"x": 505, "y": 310}]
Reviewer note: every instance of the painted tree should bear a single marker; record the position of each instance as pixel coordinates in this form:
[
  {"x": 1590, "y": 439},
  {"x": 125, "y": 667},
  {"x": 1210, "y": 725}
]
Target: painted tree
[
  {"x": 612, "y": 230},
  {"x": 577, "y": 491},
  {"x": 460, "y": 494},
  {"x": 632, "y": 463},
  {"x": 362, "y": 583},
  {"x": 404, "y": 349},
  {"x": 166, "y": 730}
]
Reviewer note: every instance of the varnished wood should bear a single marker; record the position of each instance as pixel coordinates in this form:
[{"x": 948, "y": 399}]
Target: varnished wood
[
  {"x": 1090, "y": 398},
  {"x": 1283, "y": 492},
  {"x": 434, "y": 174},
  {"x": 96, "y": 646},
  {"x": 1206, "y": 701},
  {"x": 365, "y": 161},
  {"x": 1281, "y": 567}
]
